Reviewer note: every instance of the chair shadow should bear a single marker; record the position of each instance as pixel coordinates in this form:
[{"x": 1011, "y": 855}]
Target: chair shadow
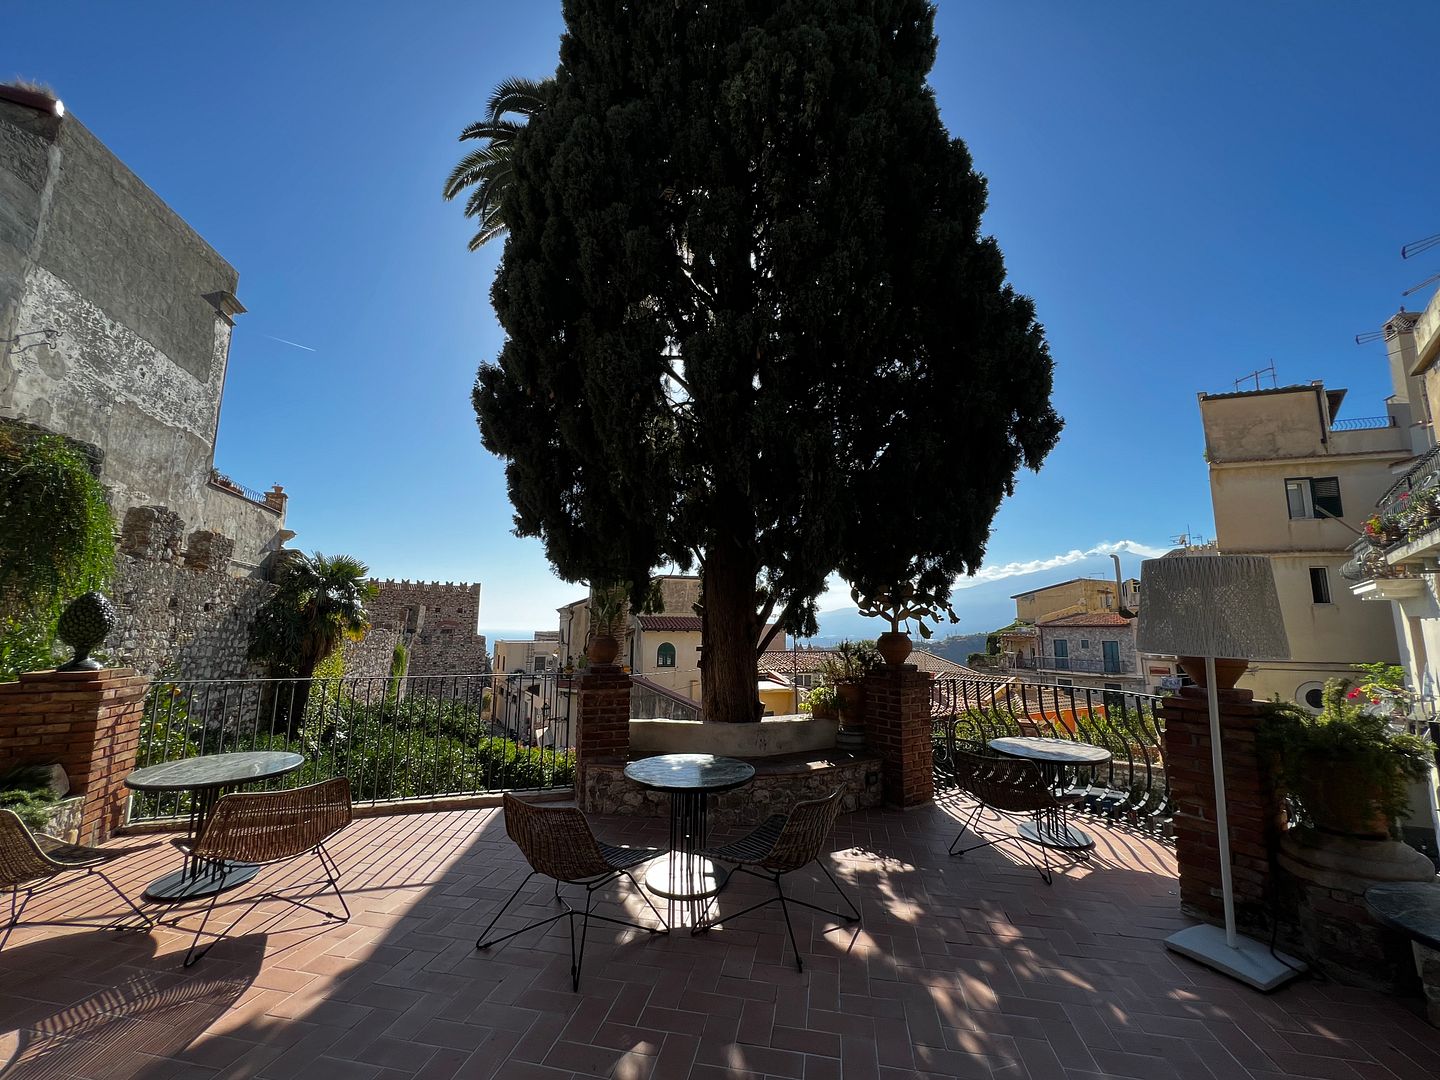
[{"x": 142, "y": 1013}]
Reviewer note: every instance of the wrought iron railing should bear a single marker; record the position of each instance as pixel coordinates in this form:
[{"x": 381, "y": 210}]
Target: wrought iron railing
[
  {"x": 224, "y": 483},
  {"x": 1082, "y": 665},
  {"x": 396, "y": 739},
  {"x": 1133, "y": 786}
]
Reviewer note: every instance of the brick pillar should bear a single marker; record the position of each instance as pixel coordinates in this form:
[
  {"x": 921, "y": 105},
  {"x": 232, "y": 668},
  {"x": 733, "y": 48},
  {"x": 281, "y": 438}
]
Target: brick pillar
[
  {"x": 87, "y": 721},
  {"x": 602, "y": 726},
  {"x": 898, "y": 728},
  {"x": 1253, "y": 809}
]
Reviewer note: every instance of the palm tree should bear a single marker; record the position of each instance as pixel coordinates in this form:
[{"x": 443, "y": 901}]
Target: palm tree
[
  {"x": 319, "y": 601},
  {"x": 487, "y": 167}
]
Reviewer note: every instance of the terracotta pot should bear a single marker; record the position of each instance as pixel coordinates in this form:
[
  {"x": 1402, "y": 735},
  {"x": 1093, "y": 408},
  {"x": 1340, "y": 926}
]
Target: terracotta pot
[
  {"x": 825, "y": 712},
  {"x": 1227, "y": 672},
  {"x": 894, "y": 647},
  {"x": 603, "y": 649},
  {"x": 852, "y": 705},
  {"x": 1341, "y": 803}
]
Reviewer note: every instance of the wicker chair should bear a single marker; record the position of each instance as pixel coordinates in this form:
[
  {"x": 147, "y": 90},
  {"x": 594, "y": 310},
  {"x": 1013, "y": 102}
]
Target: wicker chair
[
  {"x": 781, "y": 845},
  {"x": 1015, "y": 788},
  {"x": 557, "y": 843},
  {"x": 29, "y": 865},
  {"x": 264, "y": 827}
]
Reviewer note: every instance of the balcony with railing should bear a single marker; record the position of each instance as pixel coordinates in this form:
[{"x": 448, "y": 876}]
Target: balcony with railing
[{"x": 1402, "y": 538}]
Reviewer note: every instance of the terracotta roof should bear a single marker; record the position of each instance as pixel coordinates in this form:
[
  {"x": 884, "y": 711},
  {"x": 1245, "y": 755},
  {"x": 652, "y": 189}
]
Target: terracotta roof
[
  {"x": 670, "y": 623},
  {"x": 1094, "y": 618}
]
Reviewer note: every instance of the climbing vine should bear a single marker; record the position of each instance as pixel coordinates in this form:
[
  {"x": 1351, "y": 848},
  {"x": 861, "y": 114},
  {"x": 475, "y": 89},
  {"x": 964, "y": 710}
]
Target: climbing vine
[{"x": 57, "y": 540}]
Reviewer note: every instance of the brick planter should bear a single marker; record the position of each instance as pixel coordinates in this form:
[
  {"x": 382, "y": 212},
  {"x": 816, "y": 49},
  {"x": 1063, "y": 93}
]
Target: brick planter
[{"x": 88, "y": 722}]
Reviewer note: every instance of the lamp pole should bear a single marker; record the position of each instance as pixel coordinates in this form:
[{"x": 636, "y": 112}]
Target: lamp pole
[{"x": 1222, "y": 824}]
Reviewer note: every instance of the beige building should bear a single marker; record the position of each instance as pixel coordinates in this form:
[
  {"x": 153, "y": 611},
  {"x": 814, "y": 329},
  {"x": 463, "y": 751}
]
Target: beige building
[
  {"x": 1292, "y": 480},
  {"x": 1399, "y": 577},
  {"x": 532, "y": 657},
  {"x": 1074, "y": 597}
]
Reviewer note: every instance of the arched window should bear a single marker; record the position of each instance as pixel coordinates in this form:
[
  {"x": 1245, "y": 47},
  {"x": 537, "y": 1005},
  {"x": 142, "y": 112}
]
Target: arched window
[{"x": 665, "y": 655}]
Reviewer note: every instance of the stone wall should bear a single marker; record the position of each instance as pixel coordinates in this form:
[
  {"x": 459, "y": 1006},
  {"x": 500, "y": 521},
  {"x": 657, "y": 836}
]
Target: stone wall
[
  {"x": 437, "y": 622},
  {"x": 778, "y": 785},
  {"x": 370, "y": 658},
  {"x": 180, "y": 608}
]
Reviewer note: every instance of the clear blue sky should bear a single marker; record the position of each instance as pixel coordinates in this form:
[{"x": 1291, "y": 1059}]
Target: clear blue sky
[{"x": 1187, "y": 192}]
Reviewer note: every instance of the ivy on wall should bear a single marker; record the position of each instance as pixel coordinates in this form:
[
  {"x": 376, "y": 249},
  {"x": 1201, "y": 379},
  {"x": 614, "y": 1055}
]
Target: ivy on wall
[{"x": 57, "y": 540}]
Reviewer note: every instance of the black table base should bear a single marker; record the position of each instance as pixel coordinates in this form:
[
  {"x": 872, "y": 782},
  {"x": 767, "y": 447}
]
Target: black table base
[
  {"x": 189, "y": 884},
  {"x": 683, "y": 876}
]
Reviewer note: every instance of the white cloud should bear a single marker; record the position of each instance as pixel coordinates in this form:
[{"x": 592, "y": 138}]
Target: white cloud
[
  {"x": 837, "y": 594},
  {"x": 1017, "y": 569}
]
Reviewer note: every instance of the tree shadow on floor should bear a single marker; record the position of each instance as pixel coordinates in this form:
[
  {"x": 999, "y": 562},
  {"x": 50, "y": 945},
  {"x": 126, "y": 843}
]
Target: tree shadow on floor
[{"x": 126, "y": 1017}]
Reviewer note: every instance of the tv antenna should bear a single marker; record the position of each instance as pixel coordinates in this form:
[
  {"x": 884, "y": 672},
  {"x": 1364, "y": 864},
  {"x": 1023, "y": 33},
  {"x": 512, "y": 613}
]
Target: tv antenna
[
  {"x": 1420, "y": 245},
  {"x": 1416, "y": 288},
  {"x": 1257, "y": 375}
]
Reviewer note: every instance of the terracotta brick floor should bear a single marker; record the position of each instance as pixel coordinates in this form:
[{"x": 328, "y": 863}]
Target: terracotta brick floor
[{"x": 966, "y": 968}]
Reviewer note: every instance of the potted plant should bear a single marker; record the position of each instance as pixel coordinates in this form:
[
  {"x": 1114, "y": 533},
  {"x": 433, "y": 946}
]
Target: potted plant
[
  {"x": 1348, "y": 766},
  {"x": 845, "y": 669},
  {"x": 822, "y": 702},
  {"x": 902, "y": 603},
  {"x": 609, "y": 603}
]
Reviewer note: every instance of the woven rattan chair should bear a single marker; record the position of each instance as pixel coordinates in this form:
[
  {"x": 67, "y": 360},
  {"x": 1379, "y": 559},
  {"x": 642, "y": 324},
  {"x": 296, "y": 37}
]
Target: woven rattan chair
[
  {"x": 557, "y": 843},
  {"x": 264, "y": 827},
  {"x": 1015, "y": 788},
  {"x": 781, "y": 845},
  {"x": 29, "y": 865}
]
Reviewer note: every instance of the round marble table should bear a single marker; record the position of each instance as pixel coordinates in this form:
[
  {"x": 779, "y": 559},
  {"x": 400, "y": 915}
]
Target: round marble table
[
  {"x": 1412, "y": 907},
  {"x": 690, "y": 780},
  {"x": 1054, "y": 756},
  {"x": 206, "y": 778}
]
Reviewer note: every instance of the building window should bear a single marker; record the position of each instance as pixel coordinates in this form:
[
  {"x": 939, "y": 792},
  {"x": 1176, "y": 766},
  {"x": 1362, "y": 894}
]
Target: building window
[
  {"x": 1084, "y": 643},
  {"x": 1064, "y": 682},
  {"x": 1062, "y": 654},
  {"x": 1314, "y": 497},
  {"x": 538, "y": 664},
  {"x": 1319, "y": 585},
  {"x": 665, "y": 655}
]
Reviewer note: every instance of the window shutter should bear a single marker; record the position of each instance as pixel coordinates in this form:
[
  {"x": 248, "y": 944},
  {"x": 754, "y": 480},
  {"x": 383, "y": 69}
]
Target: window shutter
[{"x": 1325, "y": 494}]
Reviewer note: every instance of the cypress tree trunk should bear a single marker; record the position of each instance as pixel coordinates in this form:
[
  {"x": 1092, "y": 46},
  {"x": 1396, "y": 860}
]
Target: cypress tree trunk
[{"x": 730, "y": 631}]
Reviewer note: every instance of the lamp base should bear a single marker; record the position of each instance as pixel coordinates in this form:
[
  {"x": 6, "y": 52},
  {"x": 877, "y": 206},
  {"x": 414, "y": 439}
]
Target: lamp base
[{"x": 1249, "y": 961}]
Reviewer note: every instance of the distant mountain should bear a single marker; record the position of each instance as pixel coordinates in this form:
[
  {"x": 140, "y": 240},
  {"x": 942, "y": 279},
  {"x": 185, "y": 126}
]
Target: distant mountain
[{"x": 982, "y": 607}]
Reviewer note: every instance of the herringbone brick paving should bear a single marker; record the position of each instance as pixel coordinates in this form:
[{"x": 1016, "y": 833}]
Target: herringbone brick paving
[{"x": 963, "y": 968}]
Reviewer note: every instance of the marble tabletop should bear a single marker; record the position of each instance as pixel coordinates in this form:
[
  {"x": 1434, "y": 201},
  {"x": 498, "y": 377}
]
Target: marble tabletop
[
  {"x": 1409, "y": 906},
  {"x": 1054, "y": 751},
  {"x": 690, "y": 772},
  {"x": 214, "y": 770}
]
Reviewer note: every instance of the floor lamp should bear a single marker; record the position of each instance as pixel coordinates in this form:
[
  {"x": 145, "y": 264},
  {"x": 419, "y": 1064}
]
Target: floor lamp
[{"x": 1217, "y": 606}]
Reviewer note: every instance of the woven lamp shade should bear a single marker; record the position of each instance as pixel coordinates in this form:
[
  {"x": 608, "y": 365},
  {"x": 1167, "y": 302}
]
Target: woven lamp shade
[{"x": 1211, "y": 605}]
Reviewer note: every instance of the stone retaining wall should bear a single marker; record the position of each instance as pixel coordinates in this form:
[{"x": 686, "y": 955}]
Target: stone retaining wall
[{"x": 779, "y": 784}]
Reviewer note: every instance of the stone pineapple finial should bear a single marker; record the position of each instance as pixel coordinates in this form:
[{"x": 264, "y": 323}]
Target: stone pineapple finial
[{"x": 84, "y": 624}]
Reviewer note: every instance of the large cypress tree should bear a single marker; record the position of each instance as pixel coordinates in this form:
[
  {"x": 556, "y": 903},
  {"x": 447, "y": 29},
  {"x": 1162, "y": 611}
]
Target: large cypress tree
[{"x": 751, "y": 321}]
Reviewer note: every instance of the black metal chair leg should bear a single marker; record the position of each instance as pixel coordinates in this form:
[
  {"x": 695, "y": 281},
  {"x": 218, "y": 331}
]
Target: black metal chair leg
[
  {"x": 480, "y": 942},
  {"x": 785, "y": 909},
  {"x": 848, "y": 902},
  {"x": 641, "y": 892},
  {"x": 16, "y": 910},
  {"x": 192, "y": 957},
  {"x": 577, "y": 961},
  {"x": 965, "y": 826},
  {"x": 332, "y": 873},
  {"x": 146, "y": 922}
]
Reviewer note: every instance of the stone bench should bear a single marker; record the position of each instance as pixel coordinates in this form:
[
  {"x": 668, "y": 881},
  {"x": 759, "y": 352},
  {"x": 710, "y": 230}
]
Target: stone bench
[{"x": 1413, "y": 908}]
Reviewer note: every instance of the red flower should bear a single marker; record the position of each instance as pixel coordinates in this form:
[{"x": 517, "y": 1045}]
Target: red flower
[
  {"x": 1374, "y": 701},
  {"x": 1353, "y": 694}
]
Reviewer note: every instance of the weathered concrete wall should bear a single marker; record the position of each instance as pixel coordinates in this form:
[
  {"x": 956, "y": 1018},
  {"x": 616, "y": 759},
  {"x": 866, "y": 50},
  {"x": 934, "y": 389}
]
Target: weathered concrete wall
[
  {"x": 114, "y": 322},
  {"x": 257, "y": 530},
  {"x": 437, "y": 621}
]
